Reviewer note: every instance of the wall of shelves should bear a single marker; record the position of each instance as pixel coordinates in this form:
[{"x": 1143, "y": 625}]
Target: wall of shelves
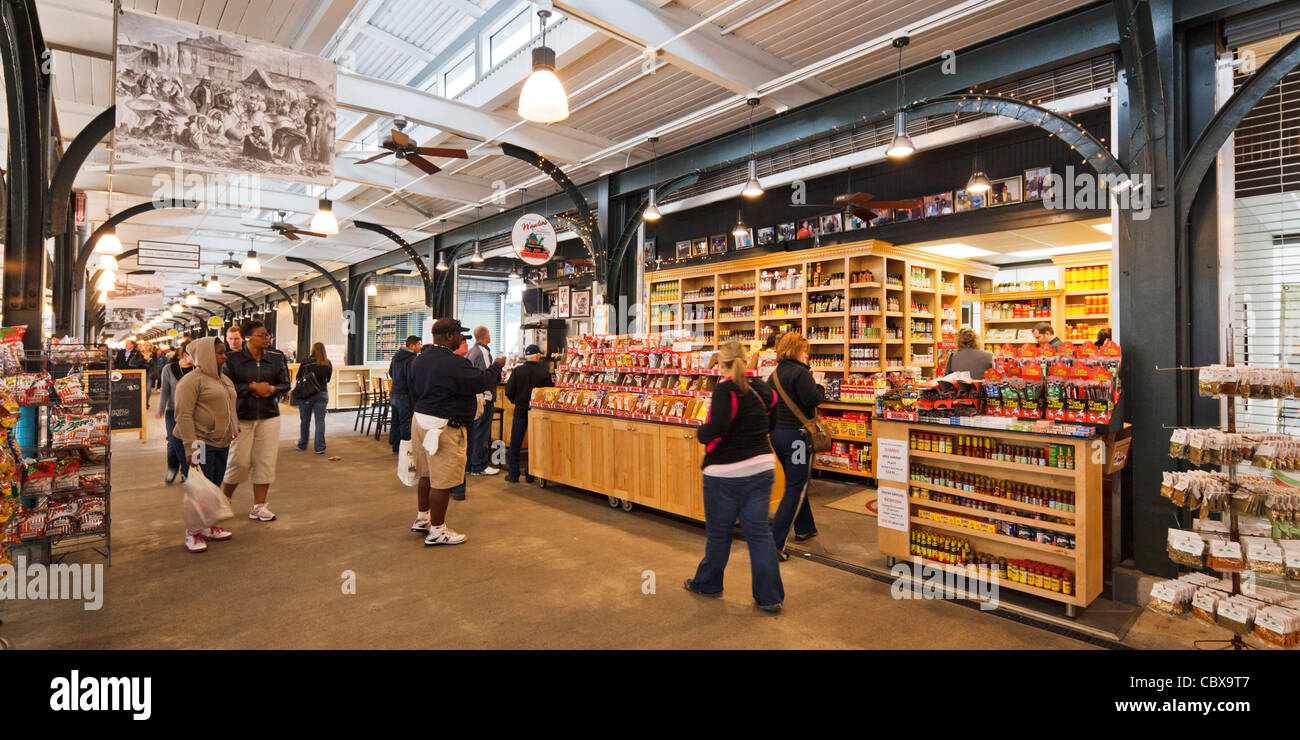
[{"x": 1088, "y": 299}]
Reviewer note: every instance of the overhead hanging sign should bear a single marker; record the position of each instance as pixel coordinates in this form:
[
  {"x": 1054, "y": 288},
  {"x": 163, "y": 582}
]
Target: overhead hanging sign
[
  {"x": 193, "y": 97},
  {"x": 167, "y": 254},
  {"x": 533, "y": 238}
]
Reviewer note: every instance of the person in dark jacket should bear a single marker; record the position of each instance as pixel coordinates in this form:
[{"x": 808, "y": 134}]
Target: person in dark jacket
[
  {"x": 129, "y": 358},
  {"x": 181, "y": 364},
  {"x": 399, "y": 371},
  {"x": 317, "y": 364},
  {"x": 790, "y": 441},
  {"x": 968, "y": 357},
  {"x": 738, "y": 473},
  {"x": 519, "y": 389},
  {"x": 261, "y": 377},
  {"x": 444, "y": 390}
]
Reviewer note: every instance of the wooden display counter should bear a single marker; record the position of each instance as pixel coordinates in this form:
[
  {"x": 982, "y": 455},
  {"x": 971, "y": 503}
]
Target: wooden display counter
[
  {"x": 901, "y": 510},
  {"x": 652, "y": 464}
]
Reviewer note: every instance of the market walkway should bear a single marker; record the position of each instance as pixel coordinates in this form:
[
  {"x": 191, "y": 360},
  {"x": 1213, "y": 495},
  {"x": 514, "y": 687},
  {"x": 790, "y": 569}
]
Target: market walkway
[{"x": 543, "y": 568}]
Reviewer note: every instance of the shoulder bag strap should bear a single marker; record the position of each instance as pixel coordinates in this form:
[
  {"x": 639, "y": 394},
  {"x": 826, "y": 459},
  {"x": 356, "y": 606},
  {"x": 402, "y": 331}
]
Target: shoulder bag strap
[{"x": 794, "y": 408}]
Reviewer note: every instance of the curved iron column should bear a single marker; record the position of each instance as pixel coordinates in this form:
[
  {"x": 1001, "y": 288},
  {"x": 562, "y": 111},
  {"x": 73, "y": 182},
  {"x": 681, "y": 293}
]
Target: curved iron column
[
  {"x": 338, "y": 287},
  {"x": 60, "y": 191},
  {"x": 293, "y": 304},
  {"x": 408, "y": 249},
  {"x": 88, "y": 248}
]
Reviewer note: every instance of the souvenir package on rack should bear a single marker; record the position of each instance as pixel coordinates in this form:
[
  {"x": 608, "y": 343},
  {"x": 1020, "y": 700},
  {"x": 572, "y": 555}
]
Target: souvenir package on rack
[
  {"x": 1263, "y": 555},
  {"x": 1171, "y": 597},
  {"x": 69, "y": 389},
  {"x": 67, "y": 474},
  {"x": 1278, "y": 626},
  {"x": 1186, "y": 548},
  {"x": 38, "y": 477},
  {"x": 69, "y": 351},
  {"x": 61, "y": 518},
  {"x": 1225, "y": 555},
  {"x": 1291, "y": 558},
  {"x": 1205, "y": 603},
  {"x": 11, "y": 349},
  {"x": 90, "y": 513},
  {"x": 31, "y": 523},
  {"x": 1236, "y": 613}
]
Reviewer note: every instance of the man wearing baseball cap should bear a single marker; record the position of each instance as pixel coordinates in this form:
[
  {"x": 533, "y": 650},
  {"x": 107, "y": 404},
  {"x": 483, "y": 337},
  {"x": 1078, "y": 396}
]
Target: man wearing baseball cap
[
  {"x": 444, "y": 389},
  {"x": 519, "y": 389}
]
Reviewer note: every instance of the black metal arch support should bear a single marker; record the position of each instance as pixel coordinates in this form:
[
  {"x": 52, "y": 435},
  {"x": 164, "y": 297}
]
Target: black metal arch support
[
  {"x": 1199, "y": 159},
  {"x": 1137, "y": 40},
  {"x": 1087, "y": 145},
  {"x": 408, "y": 249},
  {"x": 247, "y": 300},
  {"x": 224, "y": 305},
  {"x": 293, "y": 305},
  {"x": 88, "y": 248},
  {"x": 445, "y": 280},
  {"x": 60, "y": 192},
  {"x": 634, "y": 221},
  {"x": 590, "y": 234},
  {"x": 338, "y": 287}
]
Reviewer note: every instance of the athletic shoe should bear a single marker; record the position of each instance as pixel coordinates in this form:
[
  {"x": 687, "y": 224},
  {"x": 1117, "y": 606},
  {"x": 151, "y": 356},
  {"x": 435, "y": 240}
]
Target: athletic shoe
[
  {"x": 422, "y": 525},
  {"x": 489, "y": 470},
  {"x": 171, "y": 476},
  {"x": 774, "y": 608},
  {"x": 194, "y": 542},
  {"x": 320, "y": 452},
  {"x": 301, "y": 447},
  {"x": 216, "y": 534},
  {"x": 261, "y": 513},
  {"x": 443, "y": 536}
]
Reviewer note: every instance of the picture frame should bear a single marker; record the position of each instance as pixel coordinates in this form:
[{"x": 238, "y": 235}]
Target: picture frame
[
  {"x": 1036, "y": 182},
  {"x": 832, "y": 223},
  {"x": 939, "y": 204},
  {"x": 718, "y": 244},
  {"x": 581, "y": 304},
  {"x": 552, "y": 298},
  {"x": 700, "y": 247},
  {"x": 909, "y": 214},
  {"x": 1006, "y": 191},
  {"x": 684, "y": 249},
  {"x": 785, "y": 232},
  {"x": 651, "y": 245},
  {"x": 766, "y": 236},
  {"x": 745, "y": 241},
  {"x": 883, "y": 216},
  {"x": 808, "y": 228},
  {"x": 852, "y": 222},
  {"x": 562, "y": 302},
  {"x": 965, "y": 200}
]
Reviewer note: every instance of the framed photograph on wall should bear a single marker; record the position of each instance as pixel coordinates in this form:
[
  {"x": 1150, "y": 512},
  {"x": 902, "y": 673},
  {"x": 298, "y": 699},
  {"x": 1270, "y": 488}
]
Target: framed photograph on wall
[
  {"x": 718, "y": 244},
  {"x": 745, "y": 241},
  {"x": 553, "y": 302},
  {"x": 853, "y": 223},
  {"x": 700, "y": 248},
  {"x": 1036, "y": 182},
  {"x": 562, "y": 302},
  {"x": 767, "y": 236},
  {"x": 652, "y": 246},
  {"x": 907, "y": 214},
  {"x": 684, "y": 249},
  {"x": 581, "y": 306},
  {"x": 1006, "y": 191},
  {"x": 785, "y": 233},
  {"x": 968, "y": 201},
  {"x": 832, "y": 223},
  {"x": 883, "y": 216},
  {"x": 807, "y": 229},
  {"x": 937, "y": 205}
]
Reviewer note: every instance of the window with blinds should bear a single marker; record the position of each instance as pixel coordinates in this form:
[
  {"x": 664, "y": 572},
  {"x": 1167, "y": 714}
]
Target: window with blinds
[
  {"x": 1265, "y": 300},
  {"x": 480, "y": 303},
  {"x": 396, "y": 312}
]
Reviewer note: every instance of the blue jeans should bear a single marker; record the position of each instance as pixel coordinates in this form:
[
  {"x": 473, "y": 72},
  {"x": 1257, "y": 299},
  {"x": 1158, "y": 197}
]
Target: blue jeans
[
  {"x": 725, "y": 499},
  {"x": 518, "y": 432},
  {"x": 213, "y": 462},
  {"x": 307, "y": 407},
  {"x": 789, "y": 444},
  {"x": 176, "y": 457},
  {"x": 400, "y": 428},
  {"x": 479, "y": 433}
]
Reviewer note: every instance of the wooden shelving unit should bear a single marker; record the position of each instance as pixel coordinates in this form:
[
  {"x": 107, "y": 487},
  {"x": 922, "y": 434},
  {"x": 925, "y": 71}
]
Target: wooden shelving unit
[
  {"x": 996, "y": 309},
  {"x": 1089, "y": 301}
]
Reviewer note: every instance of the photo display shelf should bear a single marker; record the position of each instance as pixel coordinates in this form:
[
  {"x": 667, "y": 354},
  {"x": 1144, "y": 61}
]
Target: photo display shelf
[
  {"x": 56, "y": 477},
  {"x": 1246, "y": 522}
]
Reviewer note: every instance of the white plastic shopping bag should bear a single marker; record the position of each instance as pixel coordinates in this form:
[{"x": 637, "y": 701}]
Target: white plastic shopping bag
[
  {"x": 204, "y": 503},
  {"x": 406, "y": 464}
]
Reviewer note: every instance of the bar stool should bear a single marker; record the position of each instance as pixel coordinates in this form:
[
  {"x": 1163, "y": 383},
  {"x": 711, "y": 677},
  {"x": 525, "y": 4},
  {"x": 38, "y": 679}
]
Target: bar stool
[
  {"x": 385, "y": 409},
  {"x": 378, "y": 403},
  {"x": 363, "y": 408}
]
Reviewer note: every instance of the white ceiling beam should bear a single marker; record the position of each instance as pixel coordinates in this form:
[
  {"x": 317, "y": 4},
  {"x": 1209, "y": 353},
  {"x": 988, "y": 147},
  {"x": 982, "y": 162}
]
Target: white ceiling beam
[
  {"x": 462, "y": 189},
  {"x": 466, "y": 7},
  {"x": 388, "y": 39},
  {"x": 727, "y": 61},
  {"x": 320, "y": 22}
]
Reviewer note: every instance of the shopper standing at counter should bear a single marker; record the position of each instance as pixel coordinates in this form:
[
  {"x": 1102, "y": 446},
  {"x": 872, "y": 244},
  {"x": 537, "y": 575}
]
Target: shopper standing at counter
[
  {"x": 261, "y": 377},
  {"x": 1044, "y": 334},
  {"x": 737, "y": 481},
  {"x": 795, "y": 385},
  {"x": 399, "y": 371},
  {"x": 234, "y": 339},
  {"x": 968, "y": 357},
  {"x": 519, "y": 389},
  {"x": 444, "y": 393}
]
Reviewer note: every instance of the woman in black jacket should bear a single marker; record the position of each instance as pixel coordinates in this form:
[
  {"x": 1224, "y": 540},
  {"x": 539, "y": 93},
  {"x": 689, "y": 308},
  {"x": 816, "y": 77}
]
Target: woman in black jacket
[
  {"x": 789, "y": 440},
  {"x": 738, "y": 474},
  {"x": 318, "y": 364}
]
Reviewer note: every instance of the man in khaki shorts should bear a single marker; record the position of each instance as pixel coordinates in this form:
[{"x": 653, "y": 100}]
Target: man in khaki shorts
[{"x": 444, "y": 389}]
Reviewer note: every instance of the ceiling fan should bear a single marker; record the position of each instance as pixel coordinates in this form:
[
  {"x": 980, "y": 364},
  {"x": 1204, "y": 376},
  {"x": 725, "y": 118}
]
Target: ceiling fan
[
  {"x": 400, "y": 145},
  {"x": 864, "y": 205},
  {"x": 284, "y": 228}
]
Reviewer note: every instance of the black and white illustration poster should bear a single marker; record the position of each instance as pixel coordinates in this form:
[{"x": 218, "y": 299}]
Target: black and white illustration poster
[
  {"x": 137, "y": 291},
  {"x": 120, "y": 323},
  {"x": 215, "y": 102}
]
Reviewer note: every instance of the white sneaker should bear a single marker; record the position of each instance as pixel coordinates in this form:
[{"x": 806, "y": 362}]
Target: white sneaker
[
  {"x": 194, "y": 542},
  {"x": 216, "y": 534},
  {"x": 488, "y": 471},
  {"x": 442, "y": 536},
  {"x": 422, "y": 525},
  {"x": 261, "y": 513}
]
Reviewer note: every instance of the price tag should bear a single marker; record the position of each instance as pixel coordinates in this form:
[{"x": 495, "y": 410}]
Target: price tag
[
  {"x": 892, "y": 461},
  {"x": 892, "y": 508}
]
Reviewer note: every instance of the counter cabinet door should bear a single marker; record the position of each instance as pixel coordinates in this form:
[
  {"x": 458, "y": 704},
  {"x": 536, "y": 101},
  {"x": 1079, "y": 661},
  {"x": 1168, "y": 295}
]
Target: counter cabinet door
[
  {"x": 596, "y": 465},
  {"x": 539, "y": 428},
  {"x": 680, "y": 469},
  {"x": 647, "y": 465},
  {"x": 621, "y": 469}
]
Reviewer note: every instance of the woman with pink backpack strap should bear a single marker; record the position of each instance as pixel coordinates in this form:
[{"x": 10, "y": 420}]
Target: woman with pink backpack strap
[{"x": 738, "y": 472}]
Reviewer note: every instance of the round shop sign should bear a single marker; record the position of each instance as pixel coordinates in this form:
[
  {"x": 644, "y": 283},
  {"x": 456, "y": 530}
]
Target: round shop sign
[
  {"x": 214, "y": 322},
  {"x": 115, "y": 376},
  {"x": 533, "y": 238},
  {"x": 172, "y": 333}
]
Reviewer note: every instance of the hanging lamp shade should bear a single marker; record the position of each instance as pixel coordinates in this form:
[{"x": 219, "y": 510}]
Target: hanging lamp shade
[
  {"x": 251, "y": 264},
  {"x": 478, "y": 256},
  {"x": 213, "y": 286},
  {"x": 192, "y": 299},
  {"x": 324, "y": 221},
  {"x": 543, "y": 98},
  {"x": 978, "y": 182},
  {"x": 514, "y": 272},
  {"x": 108, "y": 243},
  {"x": 651, "y": 211},
  {"x": 102, "y": 296},
  {"x": 442, "y": 263},
  {"x": 753, "y": 188},
  {"x": 106, "y": 281},
  {"x": 108, "y": 263},
  {"x": 901, "y": 146},
  {"x": 177, "y": 307},
  {"x": 740, "y": 229},
  {"x": 372, "y": 290}
]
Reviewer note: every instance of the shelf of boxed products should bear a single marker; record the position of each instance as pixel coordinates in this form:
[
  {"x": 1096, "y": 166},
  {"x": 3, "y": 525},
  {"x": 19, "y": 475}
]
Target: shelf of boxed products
[{"x": 637, "y": 405}]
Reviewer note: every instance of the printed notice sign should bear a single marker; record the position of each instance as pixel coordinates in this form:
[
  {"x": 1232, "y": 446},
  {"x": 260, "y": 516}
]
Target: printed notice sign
[
  {"x": 892, "y": 463},
  {"x": 892, "y": 507}
]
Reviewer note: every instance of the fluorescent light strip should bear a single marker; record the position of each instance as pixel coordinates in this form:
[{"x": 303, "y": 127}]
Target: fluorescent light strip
[
  {"x": 1074, "y": 249},
  {"x": 956, "y": 251}
]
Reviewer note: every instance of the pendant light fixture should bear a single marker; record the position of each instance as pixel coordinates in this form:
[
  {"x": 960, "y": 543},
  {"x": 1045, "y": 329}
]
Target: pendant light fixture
[
  {"x": 108, "y": 263},
  {"x": 442, "y": 263},
  {"x": 740, "y": 229},
  {"x": 372, "y": 290},
  {"x": 177, "y": 307},
  {"x": 250, "y": 263},
  {"x": 102, "y": 297},
  {"x": 651, "y": 212},
  {"x": 478, "y": 256},
  {"x": 514, "y": 271},
  {"x": 753, "y": 188},
  {"x": 192, "y": 299},
  {"x": 543, "y": 98},
  {"x": 166, "y": 314},
  {"x": 108, "y": 242},
  {"x": 901, "y": 146},
  {"x": 978, "y": 182},
  {"x": 213, "y": 286},
  {"x": 106, "y": 281},
  {"x": 324, "y": 221}
]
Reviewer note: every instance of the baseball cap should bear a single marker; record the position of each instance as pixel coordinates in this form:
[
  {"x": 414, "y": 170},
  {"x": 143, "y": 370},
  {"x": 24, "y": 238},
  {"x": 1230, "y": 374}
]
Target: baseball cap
[
  {"x": 531, "y": 350},
  {"x": 448, "y": 326}
]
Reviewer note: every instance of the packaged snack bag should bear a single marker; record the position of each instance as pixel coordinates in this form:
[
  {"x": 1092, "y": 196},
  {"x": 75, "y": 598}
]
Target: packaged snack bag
[{"x": 69, "y": 389}]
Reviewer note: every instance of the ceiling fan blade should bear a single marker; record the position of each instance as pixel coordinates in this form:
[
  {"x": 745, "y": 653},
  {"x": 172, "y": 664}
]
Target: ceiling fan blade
[
  {"x": 433, "y": 151},
  {"x": 904, "y": 204},
  {"x": 255, "y": 226},
  {"x": 290, "y": 235},
  {"x": 308, "y": 233},
  {"x": 424, "y": 164},
  {"x": 400, "y": 138},
  {"x": 368, "y": 160}
]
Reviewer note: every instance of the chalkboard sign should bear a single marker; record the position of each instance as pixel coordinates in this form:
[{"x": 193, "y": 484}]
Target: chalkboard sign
[{"x": 128, "y": 388}]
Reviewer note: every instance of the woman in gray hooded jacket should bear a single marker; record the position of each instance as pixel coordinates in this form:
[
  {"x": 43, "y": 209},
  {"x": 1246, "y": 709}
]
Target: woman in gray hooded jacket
[{"x": 206, "y": 422}]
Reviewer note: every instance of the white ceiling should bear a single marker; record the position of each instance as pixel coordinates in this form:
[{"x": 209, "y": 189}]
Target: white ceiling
[
  {"x": 695, "y": 92},
  {"x": 1034, "y": 243}
]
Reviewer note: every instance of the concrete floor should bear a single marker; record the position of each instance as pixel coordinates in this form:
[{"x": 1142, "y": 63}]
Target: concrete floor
[{"x": 543, "y": 568}]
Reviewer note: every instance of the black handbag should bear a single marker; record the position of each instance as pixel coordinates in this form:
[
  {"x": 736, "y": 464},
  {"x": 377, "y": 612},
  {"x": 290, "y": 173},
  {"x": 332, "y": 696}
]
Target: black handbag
[{"x": 307, "y": 384}]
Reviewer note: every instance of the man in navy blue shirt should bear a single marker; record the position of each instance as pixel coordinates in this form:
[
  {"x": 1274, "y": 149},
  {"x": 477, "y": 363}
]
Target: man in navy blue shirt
[
  {"x": 444, "y": 389},
  {"x": 399, "y": 371}
]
